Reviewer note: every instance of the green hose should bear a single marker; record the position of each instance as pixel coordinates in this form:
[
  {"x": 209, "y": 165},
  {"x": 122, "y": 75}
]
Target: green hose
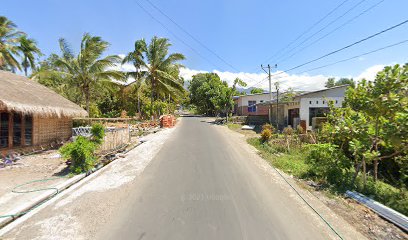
[{"x": 15, "y": 190}]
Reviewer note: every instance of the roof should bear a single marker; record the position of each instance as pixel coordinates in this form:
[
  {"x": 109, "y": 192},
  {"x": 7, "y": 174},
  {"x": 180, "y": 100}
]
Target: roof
[
  {"x": 18, "y": 93},
  {"x": 322, "y": 90}
]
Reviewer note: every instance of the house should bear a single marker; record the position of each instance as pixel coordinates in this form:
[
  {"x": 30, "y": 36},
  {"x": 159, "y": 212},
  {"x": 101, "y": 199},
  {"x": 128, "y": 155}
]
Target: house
[
  {"x": 306, "y": 109},
  {"x": 33, "y": 115},
  {"x": 246, "y": 105}
]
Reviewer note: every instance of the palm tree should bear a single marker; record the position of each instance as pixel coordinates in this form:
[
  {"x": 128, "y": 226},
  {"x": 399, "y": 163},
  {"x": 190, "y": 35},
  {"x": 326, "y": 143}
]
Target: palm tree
[
  {"x": 9, "y": 37},
  {"x": 88, "y": 70},
  {"x": 160, "y": 71},
  {"x": 28, "y": 48}
]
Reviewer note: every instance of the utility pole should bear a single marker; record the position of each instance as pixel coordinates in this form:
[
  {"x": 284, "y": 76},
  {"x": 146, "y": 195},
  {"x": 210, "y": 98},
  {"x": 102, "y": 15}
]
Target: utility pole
[
  {"x": 270, "y": 89},
  {"x": 277, "y": 105}
]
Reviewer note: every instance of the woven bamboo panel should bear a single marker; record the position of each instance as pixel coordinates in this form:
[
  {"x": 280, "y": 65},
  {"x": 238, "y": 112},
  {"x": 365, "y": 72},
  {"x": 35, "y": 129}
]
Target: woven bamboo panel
[
  {"x": 51, "y": 129},
  {"x": 115, "y": 139}
]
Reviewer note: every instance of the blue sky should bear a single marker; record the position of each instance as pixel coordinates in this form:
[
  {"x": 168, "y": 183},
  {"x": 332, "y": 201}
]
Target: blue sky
[{"x": 243, "y": 33}]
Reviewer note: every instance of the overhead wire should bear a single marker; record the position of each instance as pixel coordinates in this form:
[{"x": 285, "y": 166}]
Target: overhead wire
[
  {"x": 323, "y": 28},
  {"x": 334, "y": 30},
  {"x": 307, "y": 30}
]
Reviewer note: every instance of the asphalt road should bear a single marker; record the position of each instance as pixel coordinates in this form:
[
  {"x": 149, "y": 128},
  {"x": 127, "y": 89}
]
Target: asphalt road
[{"x": 201, "y": 185}]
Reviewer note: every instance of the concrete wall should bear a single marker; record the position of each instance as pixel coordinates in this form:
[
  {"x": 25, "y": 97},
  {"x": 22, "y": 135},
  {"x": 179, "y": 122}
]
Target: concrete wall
[{"x": 243, "y": 100}]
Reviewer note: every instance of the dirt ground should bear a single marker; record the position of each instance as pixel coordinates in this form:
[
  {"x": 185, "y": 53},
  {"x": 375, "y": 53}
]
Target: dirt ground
[
  {"x": 362, "y": 218},
  {"x": 39, "y": 166}
]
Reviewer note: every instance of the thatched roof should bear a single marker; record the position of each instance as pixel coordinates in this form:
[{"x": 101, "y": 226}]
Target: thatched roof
[{"x": 18, "y": 93}]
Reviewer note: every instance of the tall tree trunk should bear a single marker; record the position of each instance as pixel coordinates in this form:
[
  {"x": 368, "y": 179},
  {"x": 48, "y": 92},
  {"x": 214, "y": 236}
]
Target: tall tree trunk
[{"x": 25, "y": 71}]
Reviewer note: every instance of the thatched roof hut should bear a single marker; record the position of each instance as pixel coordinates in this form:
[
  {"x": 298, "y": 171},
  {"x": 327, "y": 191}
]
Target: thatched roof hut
[
  {"x": 32, "y": 115},
  {"x": 19, "y": 94}
]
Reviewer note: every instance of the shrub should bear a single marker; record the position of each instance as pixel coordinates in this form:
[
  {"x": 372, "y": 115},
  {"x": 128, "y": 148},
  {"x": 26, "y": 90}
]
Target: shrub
[
  {"x": 268, "y": 126},
  {"x": 81, "y": 153},
  {"x": 288, "y": 131},
  {"x": 98, "y": 133},
  {"x": 266, "y": 135},
  {"x": 299, "y": 129},
  {"x": 328, "y": 163}
]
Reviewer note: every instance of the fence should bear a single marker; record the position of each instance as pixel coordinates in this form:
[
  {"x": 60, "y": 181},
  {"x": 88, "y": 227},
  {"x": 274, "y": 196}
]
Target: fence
[{"x": 114, "y": 137}]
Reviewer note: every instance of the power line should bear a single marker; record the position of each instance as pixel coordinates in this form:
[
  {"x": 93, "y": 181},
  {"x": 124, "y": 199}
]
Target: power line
[
  {"x": 323, "y": 28},
  {"x": 334, "y": 30},
  {"x": 357, "y": 56},
  {"x": 174, "y": 35},
  {"x": 190, "y": 35},
  {"x": 346, "y": 47},
  {"x": 307, "y": 30},
  {"x": 340, "y": 61}
]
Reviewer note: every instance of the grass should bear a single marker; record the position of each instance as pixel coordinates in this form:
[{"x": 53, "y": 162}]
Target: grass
[{"x": 294, "y": 163}]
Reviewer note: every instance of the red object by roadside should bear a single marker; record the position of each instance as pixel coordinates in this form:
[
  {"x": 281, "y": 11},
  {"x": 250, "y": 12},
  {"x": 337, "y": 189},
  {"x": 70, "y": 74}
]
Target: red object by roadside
[{"x": 167, "y": 121}]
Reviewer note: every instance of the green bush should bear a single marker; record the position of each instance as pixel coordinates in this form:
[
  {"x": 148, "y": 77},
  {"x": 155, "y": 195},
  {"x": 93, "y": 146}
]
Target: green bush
[
  {"x": 299, "y": 129},
  {"x": 98, "y": 133},
  {"x": 81, "y": 153},
  {"x": 328, "y": 163},
  {"x": 288, "y": 131}
]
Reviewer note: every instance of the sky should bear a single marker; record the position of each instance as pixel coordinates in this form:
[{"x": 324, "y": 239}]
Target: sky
[{"x": 232, "y": 37}]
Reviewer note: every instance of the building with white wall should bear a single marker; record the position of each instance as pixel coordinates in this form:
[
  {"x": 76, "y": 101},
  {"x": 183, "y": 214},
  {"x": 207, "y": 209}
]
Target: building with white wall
[{"x": 301, "y": 110}]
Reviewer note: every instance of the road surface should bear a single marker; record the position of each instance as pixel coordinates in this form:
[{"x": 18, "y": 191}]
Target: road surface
[{"x": 202, "y": 185}]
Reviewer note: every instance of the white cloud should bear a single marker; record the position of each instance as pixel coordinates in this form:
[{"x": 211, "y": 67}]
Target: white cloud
[
  {"x": 370, "y": 73},
  {"x": 304, "y": 82}
]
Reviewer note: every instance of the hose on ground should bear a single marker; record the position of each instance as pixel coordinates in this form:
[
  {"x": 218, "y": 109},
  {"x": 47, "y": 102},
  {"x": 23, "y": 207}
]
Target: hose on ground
[{"x": 16, "y": 190}]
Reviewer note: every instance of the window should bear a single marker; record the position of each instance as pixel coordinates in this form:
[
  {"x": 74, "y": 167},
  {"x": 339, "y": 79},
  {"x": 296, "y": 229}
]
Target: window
[
  {"x": 17, "y": 130},
  {"x": 261, "y": 101},
  {"x": 28, "y": 130},
  {"x": 323, "y": 102},
  {"x": 317, "y": 102},
  {"x": 251, "y": 106},
  {"x": 310, "y": 102},
  {"x": 4, "y": 130},
  {"x": 336, "y": 101}
]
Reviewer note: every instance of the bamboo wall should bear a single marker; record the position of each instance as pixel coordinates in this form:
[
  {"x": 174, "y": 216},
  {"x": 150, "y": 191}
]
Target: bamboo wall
[{"x": 48, "y": 130}]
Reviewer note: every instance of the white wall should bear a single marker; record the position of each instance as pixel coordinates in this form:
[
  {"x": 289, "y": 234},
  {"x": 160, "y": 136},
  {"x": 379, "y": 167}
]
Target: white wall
[{"x": 317, "y": 98}]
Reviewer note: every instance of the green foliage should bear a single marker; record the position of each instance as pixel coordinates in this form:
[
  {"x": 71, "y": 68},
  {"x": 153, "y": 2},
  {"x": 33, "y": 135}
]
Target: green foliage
[
  {"x": 98, "y": 133},
  {"x": 257, "y": 90},
  {"x": 331, "y": 82},
  {"x": 210, "y": 95},
  {"x": 328, "y": 163},
  {"x": 81, "y": 153},
  {"x": 372, "y": 126},
  {"x": 299, "y": 129}
]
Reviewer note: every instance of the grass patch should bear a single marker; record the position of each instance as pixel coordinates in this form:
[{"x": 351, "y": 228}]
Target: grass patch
[
  {"x": 292, "y": 163},
  {"x": 295, "y": 163},
  {"x": 234, "y": 126}
]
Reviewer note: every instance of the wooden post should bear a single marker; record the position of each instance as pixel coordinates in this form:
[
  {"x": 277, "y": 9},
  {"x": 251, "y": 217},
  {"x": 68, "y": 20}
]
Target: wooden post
[{"x": 10, "y": 126}]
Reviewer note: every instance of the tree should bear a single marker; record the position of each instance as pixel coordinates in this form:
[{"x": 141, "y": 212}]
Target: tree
[
  {"x": 88, "y": 70},
  {"x": 158, "y": 68},
  {"x": 28, "y": 48},
  {"x": 257, "y": 90},
  {"x": 211, "y": 95},
  {"x": 372, "y": 127},
  {"x": 331, "y": 82},
  {"x": 9, "y": 38}
]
